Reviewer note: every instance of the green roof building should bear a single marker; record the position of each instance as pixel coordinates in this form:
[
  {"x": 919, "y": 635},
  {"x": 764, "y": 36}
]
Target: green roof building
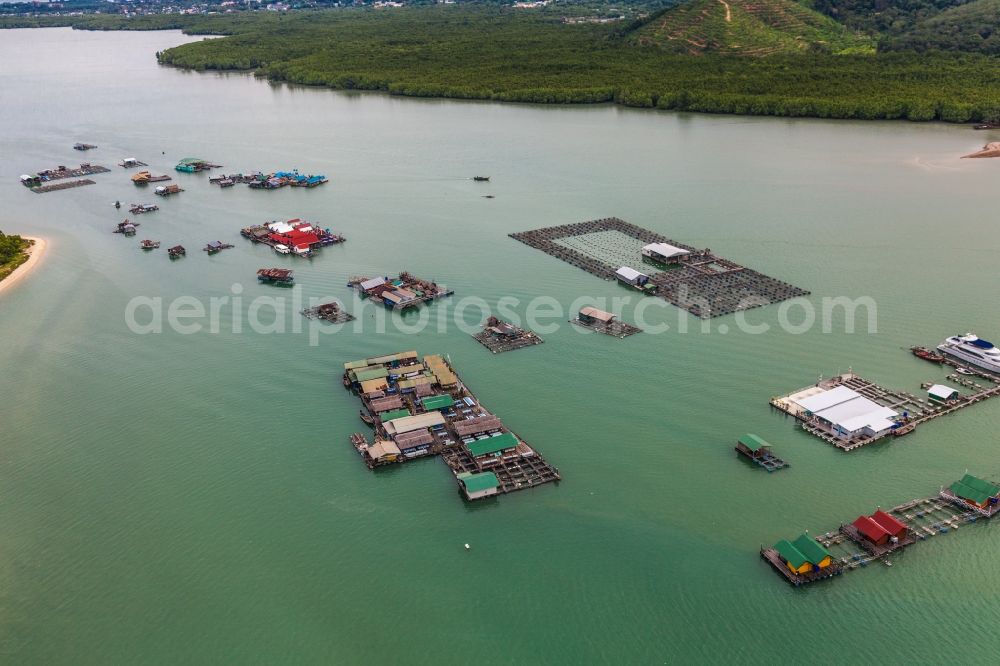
[
  {"x": 491, "y": 446},
  {"x": 433, "y": 402},
  {"x": 477, "y": 486}
]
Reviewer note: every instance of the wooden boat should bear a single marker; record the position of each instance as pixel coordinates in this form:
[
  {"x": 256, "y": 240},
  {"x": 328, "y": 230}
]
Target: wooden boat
[
  {"x": 149, "y": 244},
  {"x": 83, "y": 146},
  {"x": 927, "y": 354},
  {"x": 366, "y": 418},
  {"x": 481, "y": 179},
  {"x": 139, "y": 209},
  {"x": 215, "y": 247},
  {"x": 904, "y": 430},
  {"x": 964, "y": 371}
]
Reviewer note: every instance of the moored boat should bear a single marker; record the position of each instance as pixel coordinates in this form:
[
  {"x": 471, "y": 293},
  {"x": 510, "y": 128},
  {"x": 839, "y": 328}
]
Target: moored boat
[
  {"x": 973, "y": 350},
  {"x": 927, "y": 354}
]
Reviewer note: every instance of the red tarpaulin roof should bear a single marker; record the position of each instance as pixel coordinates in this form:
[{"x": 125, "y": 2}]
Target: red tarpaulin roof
[
  {"x": 869, "y": 528},
  {"x": 888, "y": 523}
]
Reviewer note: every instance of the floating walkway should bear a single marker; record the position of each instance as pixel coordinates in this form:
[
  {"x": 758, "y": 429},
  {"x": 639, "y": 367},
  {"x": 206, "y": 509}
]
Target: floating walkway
[
  {"x": 704, "y": 284},
  {"x": 919, "y": 519},
  {"x": 420, "y": 408}
]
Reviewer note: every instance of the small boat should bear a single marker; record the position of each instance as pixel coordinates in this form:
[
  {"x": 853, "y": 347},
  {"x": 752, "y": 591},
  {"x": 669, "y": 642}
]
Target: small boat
[
  {"x": 964, "y": 371},
  {"x": 126, "y": 228},
  {"x": 149, "y": 244},
  {"x": 176, "y": 252},
  {"x": 83, "y": 146},
  {"x": 481, "y": 179},
  {"x": 215, "y": 247},
  {"x": 904, "y": 430},
  {"x": 139, "y": 209},
  {"x": 986, "y": 126},
  {"x": 927, "y": 354},
  {"x": 366, "y": 418}
]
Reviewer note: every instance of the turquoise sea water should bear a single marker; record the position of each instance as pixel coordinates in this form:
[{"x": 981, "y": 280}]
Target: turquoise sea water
[{"x": 172, "y": 498}]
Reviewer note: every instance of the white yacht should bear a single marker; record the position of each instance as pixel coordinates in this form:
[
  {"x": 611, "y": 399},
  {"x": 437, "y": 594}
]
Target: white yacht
[{"x": 973, "y": 350}]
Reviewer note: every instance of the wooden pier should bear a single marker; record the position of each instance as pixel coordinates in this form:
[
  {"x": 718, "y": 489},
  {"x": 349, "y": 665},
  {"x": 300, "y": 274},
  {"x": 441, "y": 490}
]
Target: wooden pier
[
  {"x": 500, "y": 336},
  {"x": 924, "y": 518},
  {"x": 704, "y": 284},
  {"x": 419, "y": 408}
]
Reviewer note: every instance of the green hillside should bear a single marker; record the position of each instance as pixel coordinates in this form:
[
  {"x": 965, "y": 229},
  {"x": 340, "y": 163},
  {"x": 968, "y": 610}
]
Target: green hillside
[
  {"x": 751, "y": 28},
  {"x": 973, "y": 28}
]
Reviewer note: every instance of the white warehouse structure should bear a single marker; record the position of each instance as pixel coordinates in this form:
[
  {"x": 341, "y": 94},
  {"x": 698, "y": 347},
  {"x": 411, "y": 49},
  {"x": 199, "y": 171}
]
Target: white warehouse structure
[
  {"x": 848, "y": 414},
  {"x": 664, "y": 253}
]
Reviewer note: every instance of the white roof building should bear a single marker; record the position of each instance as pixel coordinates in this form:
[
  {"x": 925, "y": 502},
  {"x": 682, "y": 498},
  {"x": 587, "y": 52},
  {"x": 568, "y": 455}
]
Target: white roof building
[
  {"x": 849, "y": 412},
  {"x": 665, "y": 250},
  {"x": 372, "y": 283},
  {"x": 941, "y": 392},
  {"x": 630, "y": 274}
]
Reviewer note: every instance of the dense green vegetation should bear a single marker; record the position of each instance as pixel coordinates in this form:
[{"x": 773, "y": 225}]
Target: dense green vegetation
[
  {"x": 752, "y": 28},
  {"x": 12, "y": 253},
  {"x": 883, "y": 16},
  {"x": 516, "y": 56},
  {"x": 973, "y": 27},
  {"x": 494, "y": 53}
]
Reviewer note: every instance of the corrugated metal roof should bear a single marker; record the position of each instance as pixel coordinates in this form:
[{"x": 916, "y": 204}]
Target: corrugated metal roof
[
  {"x": 373, "y": 385},
  {"x": 827, "y": 399},
  {"x": 811, "y": 548},
  {"x": 790, "y": 553},
  {"x": 869, "y": 528},
  {"x": 483, "y": 447},
  {"x": 385, "y": 404},
  {"x": 594, "y": 313},
  {"x": 477, "y": 482},
  {"x": 372, "y": 283},
  {"x": 941, "y": 392},
  {"x": 630, "y": 274},
  {"x": 752, "y": 442},
  {"x": 411, "y": 423},
  {"x": 411, "y": 440},
  {"x": 888, "y": 523},
  {"x": 370, "y": 373},
  {"x": 394, "y": 414},
  {"x": 665, "y": 249},
  {"x": 477, "y": 425},
  {"x": 381, "y": 449},
  {"x": 437, "y": 402}
]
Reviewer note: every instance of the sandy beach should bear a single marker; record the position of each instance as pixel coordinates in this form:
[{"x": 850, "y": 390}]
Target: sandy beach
[{"x": 35, "y": 253}]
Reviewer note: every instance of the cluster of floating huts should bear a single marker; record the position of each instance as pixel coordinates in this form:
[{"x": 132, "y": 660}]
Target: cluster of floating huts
[
  {"x": 875, "y": 536},
  {"x": 419, "y": 407},
  {"x": 399, "y": 293},
  {"x": 271, "y": 181},
  {"x": 296, "y": 237}
]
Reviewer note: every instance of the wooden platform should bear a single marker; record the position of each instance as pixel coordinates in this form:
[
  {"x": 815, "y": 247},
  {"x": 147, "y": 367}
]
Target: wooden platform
[
  {"x": 615, "y": 328},
  {"x": 55, "y": 187},
  {"x": 331, "y": 312},
  {"x": 498, "y": 343},
  {"x": 919, "y": 409}
]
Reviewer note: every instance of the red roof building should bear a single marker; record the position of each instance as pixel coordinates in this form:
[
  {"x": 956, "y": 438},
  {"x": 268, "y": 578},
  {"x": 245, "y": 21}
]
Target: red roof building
[
  {"x": 871, "y": 530},
  {"x": 891, "y": 525}
]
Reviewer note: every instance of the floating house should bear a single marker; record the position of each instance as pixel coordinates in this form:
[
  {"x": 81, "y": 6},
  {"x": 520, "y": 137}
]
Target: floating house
[
  {"x": 801, "y": 561},
  {"x": 167, "y": 190},
  {"x": 176, "y": 252},
  {"x": 382, "y": 451},
  {"x": 847, "y": 414},
  {"x": 193, "y": 165},
  {"x": 591, "y": 315},
  {"x": 974, "y": 492},
  {"x": 942, "y": 393},
  {"x": 758, "y": 451},
  {"x": 870, "y": 531},
  {"x": 896, "y": 528},
  {"x": 478, "y": 485},
  {"x": 633, "y": 278},
  {"x": 492, "y": 450},
  {"x": 664, "y": 254}
]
